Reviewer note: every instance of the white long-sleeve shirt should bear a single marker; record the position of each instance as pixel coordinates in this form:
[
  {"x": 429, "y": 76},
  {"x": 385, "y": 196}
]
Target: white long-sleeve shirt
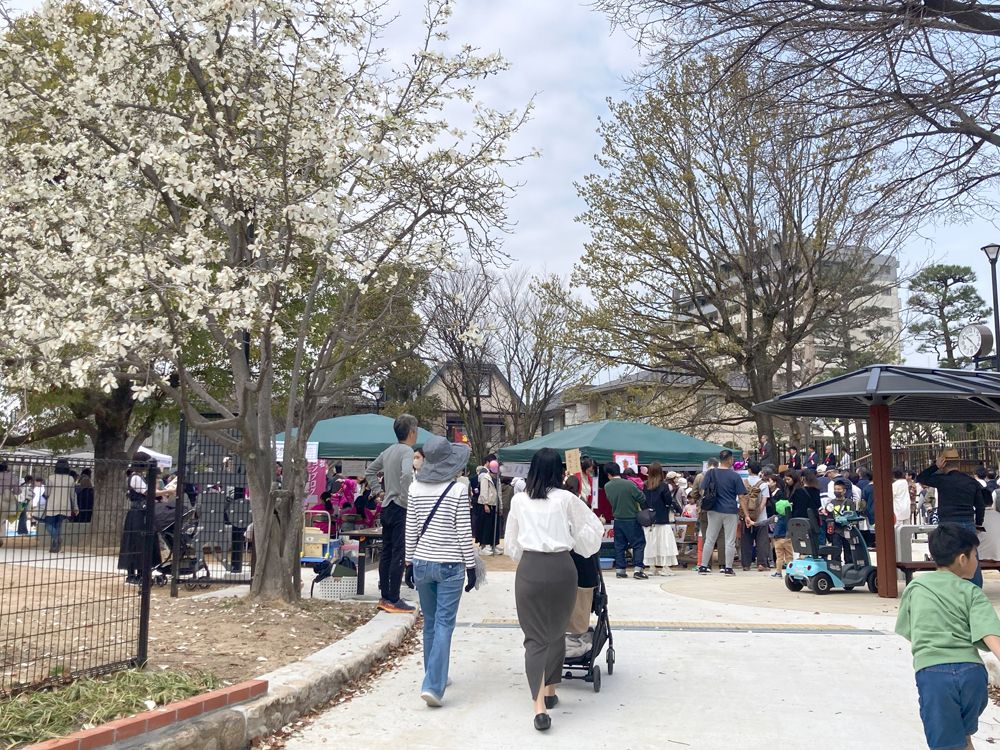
[
  {"x": 901, "y": 501},
  {"x": 558, "y": 523}
]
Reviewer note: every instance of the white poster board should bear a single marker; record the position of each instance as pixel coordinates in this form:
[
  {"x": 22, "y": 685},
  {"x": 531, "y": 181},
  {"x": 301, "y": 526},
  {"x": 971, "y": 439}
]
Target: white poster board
[
  {"x": 312, "y": 451},
  {"x": 353, "y": 467},
  {"x": 515, "y": 470}
]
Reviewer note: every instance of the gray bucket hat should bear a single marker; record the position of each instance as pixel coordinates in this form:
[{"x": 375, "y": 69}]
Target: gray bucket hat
[{"x": 443, "y": 460}]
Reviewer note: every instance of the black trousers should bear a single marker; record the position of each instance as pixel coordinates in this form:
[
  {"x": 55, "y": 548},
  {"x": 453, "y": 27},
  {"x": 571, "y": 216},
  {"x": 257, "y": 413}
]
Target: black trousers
[
  {"x": 759, "y": 535},
  {"x": 390, "y": 567}
]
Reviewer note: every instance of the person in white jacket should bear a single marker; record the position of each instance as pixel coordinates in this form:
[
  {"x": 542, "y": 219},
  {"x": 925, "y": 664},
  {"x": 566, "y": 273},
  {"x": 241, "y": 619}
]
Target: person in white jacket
[{"x": 900, "y": 497}]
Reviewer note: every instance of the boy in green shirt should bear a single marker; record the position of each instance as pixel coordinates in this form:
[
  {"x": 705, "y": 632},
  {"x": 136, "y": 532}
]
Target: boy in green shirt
[{"x": 948, "y": 620}]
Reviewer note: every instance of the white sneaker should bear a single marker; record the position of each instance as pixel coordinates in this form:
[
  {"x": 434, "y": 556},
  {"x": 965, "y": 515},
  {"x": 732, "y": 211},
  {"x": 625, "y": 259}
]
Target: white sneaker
[
  {"x": 430, "y": 699},
  {"x": 669, "y": 572},
  {"x": 486, "y": 551},
  {"x": 654, "y": 571},
  {"x": 448, "y": 683}
]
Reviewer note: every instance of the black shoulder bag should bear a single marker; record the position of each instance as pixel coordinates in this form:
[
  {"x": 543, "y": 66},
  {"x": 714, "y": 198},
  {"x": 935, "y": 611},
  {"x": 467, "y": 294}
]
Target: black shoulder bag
[{"x": 710, "y": 490}]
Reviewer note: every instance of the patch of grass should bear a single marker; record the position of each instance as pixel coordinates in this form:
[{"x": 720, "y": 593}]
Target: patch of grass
[{"x": 63, "y": 709}]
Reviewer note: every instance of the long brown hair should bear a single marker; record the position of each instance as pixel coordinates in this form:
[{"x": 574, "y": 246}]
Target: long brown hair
[
  {"x": 655, "y": 477},
  {"x": 809, "y": 479}
]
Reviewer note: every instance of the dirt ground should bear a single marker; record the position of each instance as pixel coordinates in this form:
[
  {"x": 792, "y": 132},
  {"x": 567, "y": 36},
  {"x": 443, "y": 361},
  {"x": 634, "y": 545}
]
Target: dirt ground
[
  {"x": 61, "y": 621},
  {"x": 237, "y": 640}
]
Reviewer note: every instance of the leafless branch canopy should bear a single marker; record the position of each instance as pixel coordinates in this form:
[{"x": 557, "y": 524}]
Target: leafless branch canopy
[{"x": 919, "y": 76}]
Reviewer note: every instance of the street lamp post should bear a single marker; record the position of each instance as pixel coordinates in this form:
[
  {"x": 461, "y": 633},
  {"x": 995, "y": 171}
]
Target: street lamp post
[
  {"x": 993, "y": 253},
  {"x": 379, "y": 398}
]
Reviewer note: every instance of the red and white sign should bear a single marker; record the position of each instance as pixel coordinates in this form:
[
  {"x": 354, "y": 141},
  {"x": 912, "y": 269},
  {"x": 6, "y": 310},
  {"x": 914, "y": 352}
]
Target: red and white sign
[
  {"x": 317, "y": 483},
  {"x": 627, "y": 461}
]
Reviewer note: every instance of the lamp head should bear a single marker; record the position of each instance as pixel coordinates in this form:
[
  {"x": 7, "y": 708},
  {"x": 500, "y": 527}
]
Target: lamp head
[{"x": 992, "y": 252}]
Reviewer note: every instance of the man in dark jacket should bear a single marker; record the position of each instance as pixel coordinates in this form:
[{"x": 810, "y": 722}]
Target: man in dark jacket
[
  {"x": 766, "y": 452},
  {"x": 794, "y": 459},
  {"x": 960, "y": 497}
]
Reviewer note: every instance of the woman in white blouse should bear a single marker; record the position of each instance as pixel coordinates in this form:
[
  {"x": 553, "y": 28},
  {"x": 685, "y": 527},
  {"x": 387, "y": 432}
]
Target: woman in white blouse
[
  {"x": 900, "y": 497},
  {"x": 545, "y": 523}
]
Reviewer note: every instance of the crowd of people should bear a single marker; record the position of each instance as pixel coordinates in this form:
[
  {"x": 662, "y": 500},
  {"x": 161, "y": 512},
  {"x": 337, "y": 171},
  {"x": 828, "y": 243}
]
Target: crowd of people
[{"x": 52, "y": 499}]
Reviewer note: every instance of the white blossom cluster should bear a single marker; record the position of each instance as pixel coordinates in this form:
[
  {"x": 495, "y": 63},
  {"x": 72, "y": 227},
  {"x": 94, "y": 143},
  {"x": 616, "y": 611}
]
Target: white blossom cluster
[{"x": 176, "y": 169}]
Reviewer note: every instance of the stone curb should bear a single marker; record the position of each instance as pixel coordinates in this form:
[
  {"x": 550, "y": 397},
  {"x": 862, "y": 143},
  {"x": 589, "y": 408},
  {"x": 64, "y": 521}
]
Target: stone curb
[{"x": 293, "y": 690}]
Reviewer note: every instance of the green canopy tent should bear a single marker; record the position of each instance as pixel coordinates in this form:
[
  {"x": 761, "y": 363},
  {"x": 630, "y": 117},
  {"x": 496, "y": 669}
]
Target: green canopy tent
[
  {"x": 601, "y": 440},
  {"x": 361, "y": 436}
]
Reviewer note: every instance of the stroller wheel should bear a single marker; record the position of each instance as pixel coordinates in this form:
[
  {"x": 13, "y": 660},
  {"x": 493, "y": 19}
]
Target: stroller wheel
[
  {"x": 190, "y": 585},
  {"x": 160, "y": 581},
  {"x": 611, "y": 661},
  {"x": 597, "y": 679}
]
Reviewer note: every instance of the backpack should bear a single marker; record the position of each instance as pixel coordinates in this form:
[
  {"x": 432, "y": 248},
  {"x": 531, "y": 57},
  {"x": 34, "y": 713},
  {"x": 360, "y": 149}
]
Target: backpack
[
  {"x": 753, "y": 498},
  {"x": 709, "y": 491}
]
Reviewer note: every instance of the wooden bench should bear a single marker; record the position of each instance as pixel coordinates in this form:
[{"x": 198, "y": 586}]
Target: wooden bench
[{"x": 909, "y": 568}]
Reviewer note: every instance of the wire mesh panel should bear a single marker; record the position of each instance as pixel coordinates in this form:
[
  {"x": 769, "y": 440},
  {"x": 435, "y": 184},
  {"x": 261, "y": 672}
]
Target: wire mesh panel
[
  {"x": 216, "y": 486},
  {"x": 71, "y": 595}
]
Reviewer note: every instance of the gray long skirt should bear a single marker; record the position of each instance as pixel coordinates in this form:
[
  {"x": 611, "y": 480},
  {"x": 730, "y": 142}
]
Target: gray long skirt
[{"x": 545, "y": 594}]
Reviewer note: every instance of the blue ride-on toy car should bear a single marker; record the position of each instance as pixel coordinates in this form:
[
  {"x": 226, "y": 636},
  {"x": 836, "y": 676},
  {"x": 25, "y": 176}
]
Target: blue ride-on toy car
[{"x": 843, "y": 562}]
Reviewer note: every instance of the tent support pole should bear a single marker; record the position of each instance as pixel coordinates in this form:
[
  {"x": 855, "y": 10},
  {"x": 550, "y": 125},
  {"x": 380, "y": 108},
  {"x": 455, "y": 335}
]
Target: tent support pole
[{"x": 885, "y": 540}]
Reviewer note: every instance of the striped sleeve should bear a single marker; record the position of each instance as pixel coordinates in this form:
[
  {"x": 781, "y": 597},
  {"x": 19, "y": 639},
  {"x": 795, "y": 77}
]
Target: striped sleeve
[{"x": 411, "y": 529}]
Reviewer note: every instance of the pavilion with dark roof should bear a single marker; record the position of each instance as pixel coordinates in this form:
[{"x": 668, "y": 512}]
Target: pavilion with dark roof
[{"x": 882, "y": 394}]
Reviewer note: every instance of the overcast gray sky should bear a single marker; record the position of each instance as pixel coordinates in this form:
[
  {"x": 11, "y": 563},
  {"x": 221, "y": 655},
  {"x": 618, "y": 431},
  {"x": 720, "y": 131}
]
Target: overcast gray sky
[{"x": 564, "y": 55}]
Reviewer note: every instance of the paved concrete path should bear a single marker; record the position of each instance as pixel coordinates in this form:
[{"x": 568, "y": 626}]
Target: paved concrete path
[{"x": 690, "y": 672}]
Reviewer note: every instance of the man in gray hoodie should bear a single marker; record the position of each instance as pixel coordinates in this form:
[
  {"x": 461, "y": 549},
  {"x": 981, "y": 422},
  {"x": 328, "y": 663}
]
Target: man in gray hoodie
[{"x": 396, "y": 465}]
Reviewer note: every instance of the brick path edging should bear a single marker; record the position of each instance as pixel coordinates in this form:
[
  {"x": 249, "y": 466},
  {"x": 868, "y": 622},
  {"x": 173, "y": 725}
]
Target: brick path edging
[
  {"x": 270, "y": 703},
  {"x": 118, "y": 731}
]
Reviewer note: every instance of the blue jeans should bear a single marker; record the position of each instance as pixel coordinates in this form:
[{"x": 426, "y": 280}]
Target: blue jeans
[
  {"x": 440, "y": 589},
  {"x": 952, "y": 696},
  {"x": 628, "y": 533},
  {"x": 53, "y": 525},
  {"x": 971, "y": 526}
]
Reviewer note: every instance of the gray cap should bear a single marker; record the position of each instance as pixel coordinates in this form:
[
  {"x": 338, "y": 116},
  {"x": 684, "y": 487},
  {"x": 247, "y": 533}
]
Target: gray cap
[{"x": 442, "y": 460}]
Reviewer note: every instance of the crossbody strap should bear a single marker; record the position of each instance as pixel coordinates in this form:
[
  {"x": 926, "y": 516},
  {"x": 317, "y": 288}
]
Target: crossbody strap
[{"x": 434, "y": 510}]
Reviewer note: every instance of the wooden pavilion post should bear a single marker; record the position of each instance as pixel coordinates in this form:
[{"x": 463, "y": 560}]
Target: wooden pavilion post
[{"x": 885, "y": 539}]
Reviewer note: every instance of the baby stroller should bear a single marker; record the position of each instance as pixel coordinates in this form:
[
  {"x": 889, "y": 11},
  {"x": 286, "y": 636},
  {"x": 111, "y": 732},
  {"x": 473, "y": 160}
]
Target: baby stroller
[
  {"x": 585, "y": 667},
  {"x": 192, "y": 567}
]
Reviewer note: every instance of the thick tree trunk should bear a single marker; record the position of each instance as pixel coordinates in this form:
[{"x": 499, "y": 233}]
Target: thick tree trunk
[
  {"x": 276, "y": 533},
  {"x": 277, "y": 514},
  {"x": 765, "y": 426},
  {"x": 111, "y": 420},
  {"x": 762, "y": 389},
  {"x": 859, "y": 428}
]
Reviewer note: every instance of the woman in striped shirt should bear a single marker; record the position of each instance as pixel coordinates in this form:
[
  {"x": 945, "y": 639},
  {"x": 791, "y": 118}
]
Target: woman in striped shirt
[{"x": 439, "y": 554}]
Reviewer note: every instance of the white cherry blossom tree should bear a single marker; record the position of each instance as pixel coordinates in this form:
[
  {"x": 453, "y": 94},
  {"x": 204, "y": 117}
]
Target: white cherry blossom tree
[{"x": 196, "y": 186}]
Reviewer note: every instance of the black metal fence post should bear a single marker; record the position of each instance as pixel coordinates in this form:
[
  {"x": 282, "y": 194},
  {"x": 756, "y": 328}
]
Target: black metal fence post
[
  {"x": 180, "y": 500},
  {"x": 149, "y": 540}
]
